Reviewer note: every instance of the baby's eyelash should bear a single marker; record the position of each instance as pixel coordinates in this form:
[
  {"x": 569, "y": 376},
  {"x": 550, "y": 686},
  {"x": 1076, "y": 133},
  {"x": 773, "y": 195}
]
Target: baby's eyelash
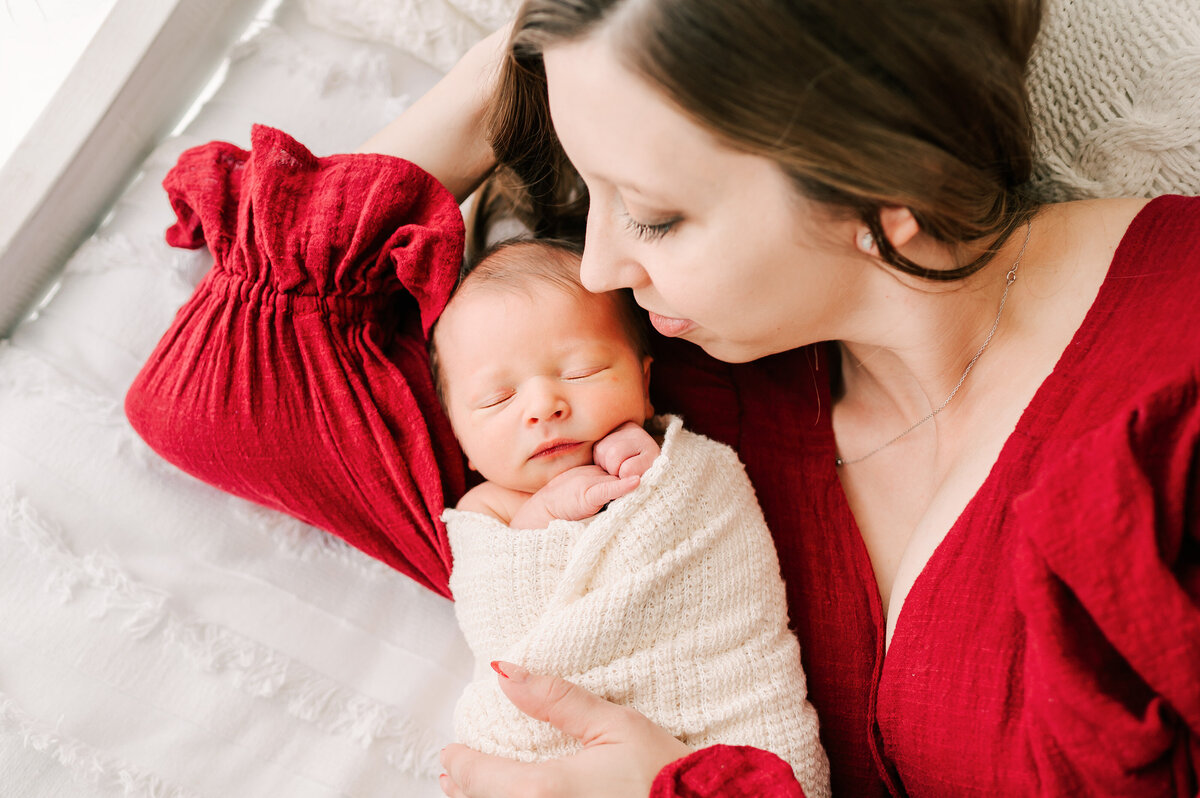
[
  {"x": 583, "y": 373},
  {"x": 649, "y": 232},
  {"x": 494, "y": 400}
]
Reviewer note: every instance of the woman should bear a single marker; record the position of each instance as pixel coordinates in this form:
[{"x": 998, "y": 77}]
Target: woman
[
  {"x": 981, "y": 494},
  {"x": 855, "y": 172}
]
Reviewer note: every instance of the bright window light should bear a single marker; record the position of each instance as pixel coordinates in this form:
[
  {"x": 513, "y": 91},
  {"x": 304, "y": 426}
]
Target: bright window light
[{"x": 40, "y": 41}]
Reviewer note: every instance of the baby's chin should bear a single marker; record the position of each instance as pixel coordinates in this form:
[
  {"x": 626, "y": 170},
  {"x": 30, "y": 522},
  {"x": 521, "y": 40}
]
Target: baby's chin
[{"x": 538, "y": 475}]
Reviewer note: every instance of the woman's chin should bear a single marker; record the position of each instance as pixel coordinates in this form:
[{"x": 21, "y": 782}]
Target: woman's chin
[{"x": 734, "y": 352}]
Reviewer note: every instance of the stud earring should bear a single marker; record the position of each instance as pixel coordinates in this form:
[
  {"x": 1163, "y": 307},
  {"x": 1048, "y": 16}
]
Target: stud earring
[{"x": 866, "y": 242}]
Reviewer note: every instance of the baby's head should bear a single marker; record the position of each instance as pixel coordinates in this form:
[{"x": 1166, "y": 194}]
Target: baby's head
[{"x": 533, "y": 369}]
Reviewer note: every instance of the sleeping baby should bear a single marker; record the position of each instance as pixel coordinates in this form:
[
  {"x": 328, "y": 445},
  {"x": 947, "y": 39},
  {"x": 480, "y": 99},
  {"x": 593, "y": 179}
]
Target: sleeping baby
[{"x": 606, "y": 546}]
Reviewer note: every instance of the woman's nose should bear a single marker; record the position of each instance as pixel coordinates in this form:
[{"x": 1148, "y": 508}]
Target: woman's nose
[
  {"x": 546, "y": 402},
  {"x": 606, "y": 265}
]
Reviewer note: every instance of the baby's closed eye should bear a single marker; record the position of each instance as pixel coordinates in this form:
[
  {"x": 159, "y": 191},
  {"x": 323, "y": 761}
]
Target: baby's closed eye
[
  {"x": 583, "y": 373},
  {"x": 495, "y": 399}
]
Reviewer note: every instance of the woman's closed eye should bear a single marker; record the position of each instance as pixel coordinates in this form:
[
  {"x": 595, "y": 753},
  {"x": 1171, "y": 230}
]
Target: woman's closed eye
[{"x": 649, "y": 232}]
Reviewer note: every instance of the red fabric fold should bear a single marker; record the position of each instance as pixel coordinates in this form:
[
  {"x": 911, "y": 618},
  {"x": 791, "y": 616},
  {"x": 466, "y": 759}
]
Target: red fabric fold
[
  {"x": 296, "y": 376},
  {"x": 727, "y": 771},
  {"x": 1108, "y": 579}
]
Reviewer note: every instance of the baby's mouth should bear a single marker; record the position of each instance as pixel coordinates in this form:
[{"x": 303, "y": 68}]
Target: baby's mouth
[{"x": 554, "y": 448}]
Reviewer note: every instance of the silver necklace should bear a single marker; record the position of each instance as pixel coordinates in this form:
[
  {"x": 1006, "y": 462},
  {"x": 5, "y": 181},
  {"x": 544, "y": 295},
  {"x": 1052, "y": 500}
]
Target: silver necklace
[{"x": 1009, "y": 279}]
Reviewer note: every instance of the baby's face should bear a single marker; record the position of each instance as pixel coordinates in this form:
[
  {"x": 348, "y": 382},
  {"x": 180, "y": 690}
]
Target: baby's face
[{"x": 532, "y": 379}]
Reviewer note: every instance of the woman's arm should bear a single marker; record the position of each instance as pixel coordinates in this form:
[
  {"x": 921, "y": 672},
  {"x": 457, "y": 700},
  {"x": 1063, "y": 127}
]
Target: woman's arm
[{"x": 443, "y": 131}]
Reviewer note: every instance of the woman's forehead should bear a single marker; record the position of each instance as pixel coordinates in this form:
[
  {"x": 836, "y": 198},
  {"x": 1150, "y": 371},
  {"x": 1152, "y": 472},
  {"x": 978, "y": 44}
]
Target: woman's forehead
[{"x": 617, "y": 127}]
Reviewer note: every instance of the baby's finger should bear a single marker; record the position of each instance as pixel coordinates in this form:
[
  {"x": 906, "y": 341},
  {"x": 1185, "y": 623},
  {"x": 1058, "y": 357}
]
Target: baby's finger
[
  {"x": 636, "y": 465},
  {"x": 602, "y": 493},
  {"x": 609, "y": 454}
]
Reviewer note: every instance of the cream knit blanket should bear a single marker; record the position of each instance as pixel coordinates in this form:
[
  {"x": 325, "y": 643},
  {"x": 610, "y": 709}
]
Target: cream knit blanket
[{"x": 669, "y": 601}]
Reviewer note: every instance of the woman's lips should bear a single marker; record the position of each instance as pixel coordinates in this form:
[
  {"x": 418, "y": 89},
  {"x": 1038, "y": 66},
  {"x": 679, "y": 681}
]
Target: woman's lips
[
  {"x": 553, "y": 448},
  {"x": 672, "y": 328}
]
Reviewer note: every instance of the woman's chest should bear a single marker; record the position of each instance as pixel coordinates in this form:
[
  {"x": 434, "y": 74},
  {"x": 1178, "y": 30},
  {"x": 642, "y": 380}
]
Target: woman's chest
[
  {"x": 904, "y": 505},
  {"x": 951, "y": 692}
]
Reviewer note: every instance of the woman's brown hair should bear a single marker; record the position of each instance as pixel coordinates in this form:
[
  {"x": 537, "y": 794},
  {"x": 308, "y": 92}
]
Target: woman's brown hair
[{"x": 865, "y": 104}]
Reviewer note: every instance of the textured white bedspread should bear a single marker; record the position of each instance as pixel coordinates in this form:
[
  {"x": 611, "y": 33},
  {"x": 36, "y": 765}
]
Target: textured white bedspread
[{"x": 158, "y": 637}]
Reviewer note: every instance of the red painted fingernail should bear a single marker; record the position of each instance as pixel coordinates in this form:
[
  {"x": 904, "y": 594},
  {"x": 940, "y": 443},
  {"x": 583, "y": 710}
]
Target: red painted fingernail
[{"x": 514, "y": 673}]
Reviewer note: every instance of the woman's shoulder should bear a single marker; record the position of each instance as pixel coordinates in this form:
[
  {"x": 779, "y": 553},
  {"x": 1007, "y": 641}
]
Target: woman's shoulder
[
  {"x": 1139, "y": 330},
  {"x": 1135, "y": 227},
  {"x": 1118, "y": 421}
]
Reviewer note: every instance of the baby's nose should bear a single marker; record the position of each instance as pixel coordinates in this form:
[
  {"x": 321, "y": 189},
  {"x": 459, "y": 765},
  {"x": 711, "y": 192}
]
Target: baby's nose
[{"x": 546, "y": 404}]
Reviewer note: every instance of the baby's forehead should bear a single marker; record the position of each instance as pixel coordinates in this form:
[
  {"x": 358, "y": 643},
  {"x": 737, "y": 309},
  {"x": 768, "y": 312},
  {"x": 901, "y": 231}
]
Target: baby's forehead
[
  {"x": 530, "y": 294},
  {"x": 542, "y": 312}
]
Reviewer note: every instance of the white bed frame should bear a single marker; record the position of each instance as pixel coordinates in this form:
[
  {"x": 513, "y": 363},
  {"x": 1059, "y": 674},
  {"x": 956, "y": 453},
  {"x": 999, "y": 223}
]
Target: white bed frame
[{"x": 132, "y": 85}]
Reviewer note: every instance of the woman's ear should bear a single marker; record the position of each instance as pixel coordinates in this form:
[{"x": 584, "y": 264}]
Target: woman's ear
[
  {"x": 898, "y": 224},
  {"x": 646, "y": 361}
]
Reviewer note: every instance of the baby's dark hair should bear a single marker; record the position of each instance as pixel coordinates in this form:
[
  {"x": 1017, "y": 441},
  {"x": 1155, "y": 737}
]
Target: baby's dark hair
[{"x": 516, "y": 264}]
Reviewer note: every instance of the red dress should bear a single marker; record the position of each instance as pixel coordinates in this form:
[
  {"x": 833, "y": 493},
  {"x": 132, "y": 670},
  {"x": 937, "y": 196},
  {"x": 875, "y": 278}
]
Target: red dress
[{"x": 1050, "y": 646}]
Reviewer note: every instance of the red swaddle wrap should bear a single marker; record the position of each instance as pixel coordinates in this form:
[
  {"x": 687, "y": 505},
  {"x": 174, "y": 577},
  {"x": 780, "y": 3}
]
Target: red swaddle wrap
[{"x": 297, "y": 376}]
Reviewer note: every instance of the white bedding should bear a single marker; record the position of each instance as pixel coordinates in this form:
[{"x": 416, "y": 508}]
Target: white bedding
[{"x": 158, "y": 637}]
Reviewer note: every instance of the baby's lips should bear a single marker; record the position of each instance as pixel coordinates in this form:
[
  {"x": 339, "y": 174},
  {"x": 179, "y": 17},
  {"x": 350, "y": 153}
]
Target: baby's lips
[{"x": 555, "y": 447}]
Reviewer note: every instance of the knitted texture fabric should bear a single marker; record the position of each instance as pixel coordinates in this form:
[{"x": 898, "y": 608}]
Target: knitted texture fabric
[
  {"x": 1115, "y": 91},
  {"x": 669, "y": 601}
]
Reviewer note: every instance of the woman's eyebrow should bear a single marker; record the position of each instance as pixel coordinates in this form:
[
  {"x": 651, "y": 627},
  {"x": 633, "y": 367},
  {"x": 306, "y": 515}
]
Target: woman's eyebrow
[{"x": 624, "y": 184}]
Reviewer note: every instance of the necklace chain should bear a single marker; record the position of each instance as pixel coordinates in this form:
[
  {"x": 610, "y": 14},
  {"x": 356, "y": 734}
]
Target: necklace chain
[{"x": 1009, "y": 279}]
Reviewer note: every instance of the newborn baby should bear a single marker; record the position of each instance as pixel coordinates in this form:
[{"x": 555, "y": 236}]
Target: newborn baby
[{"x": 606, "y": 546}]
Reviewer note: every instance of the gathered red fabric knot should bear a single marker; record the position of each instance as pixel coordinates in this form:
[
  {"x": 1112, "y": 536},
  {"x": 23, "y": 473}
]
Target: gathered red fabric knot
[
  {"x": 297, "y": 376},
  {"x": 263, "y": 297}
]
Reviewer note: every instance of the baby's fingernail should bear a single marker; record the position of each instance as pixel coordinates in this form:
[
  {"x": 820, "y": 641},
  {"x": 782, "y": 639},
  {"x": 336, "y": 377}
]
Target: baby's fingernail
[{"x": 507, "y": 670}]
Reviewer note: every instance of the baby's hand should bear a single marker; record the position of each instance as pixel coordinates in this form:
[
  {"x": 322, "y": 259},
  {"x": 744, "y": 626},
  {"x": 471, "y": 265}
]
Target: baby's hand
[
  {"x": 627, "y": 451},
  {"x": 573, "y": 495}
]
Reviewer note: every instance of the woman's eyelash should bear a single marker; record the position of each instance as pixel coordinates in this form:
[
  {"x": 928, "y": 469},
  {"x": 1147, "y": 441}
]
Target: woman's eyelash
[{"x": 649, "y": 232}]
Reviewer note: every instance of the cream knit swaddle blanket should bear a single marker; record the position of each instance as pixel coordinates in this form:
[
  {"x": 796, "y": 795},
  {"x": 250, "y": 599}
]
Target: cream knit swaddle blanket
[{"x": 669, "y": 601}]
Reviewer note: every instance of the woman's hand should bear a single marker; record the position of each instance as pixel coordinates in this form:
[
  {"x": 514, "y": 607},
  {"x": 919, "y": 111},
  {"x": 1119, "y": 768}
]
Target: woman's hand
[{"x": 622, "y": 749}]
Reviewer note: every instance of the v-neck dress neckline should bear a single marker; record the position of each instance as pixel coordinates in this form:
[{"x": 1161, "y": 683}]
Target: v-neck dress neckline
[{"x": 1006, "y": 475}]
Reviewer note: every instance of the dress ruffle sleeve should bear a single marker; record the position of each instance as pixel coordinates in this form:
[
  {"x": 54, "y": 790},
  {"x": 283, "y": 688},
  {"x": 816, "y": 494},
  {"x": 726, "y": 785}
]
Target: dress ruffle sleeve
[
  {"x": 297, "y": 376},
  {"x": 727, "y": 771},
  {"x": 1108, "y": 580}
]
